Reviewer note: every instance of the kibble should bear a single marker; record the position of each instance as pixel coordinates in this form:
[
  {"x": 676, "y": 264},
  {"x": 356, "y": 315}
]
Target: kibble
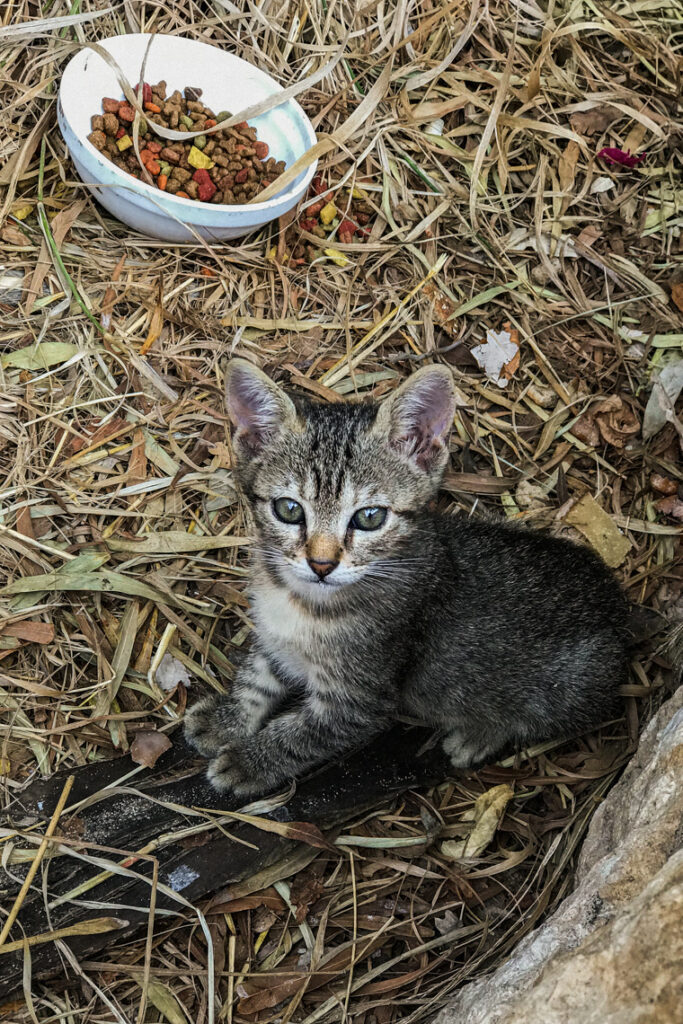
[{"x": 230, "y": 166}]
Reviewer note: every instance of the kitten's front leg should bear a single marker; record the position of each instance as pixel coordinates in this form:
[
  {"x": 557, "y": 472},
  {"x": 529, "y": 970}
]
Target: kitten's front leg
[
  {"x": 220, "y": 719},
  {"x": 290, "y": 744}
]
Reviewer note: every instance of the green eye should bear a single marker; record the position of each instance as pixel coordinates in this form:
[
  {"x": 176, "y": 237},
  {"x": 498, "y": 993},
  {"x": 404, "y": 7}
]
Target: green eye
[
  {"x": 288, "y": 511},
  {"x": 369, "y": 518}
]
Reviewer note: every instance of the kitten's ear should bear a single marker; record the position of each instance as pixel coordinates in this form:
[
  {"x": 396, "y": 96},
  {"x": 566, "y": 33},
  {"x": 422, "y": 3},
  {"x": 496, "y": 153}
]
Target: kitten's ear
[
  {"x": 257, "y": 407},
  {"x": 418, "y": 417}
]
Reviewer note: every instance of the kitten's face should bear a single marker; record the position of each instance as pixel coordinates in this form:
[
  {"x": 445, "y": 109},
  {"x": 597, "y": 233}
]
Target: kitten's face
[{"x": 337, "y": 491}]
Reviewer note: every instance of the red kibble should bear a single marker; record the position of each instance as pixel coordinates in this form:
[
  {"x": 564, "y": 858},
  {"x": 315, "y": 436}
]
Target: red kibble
[
  {"x": 344, "y": 237},
  {"x": 308, "y": 224},
  {"x": 146, "y": 92},
  {"x": 362, "y": 218},
  {"x": 241, "y": 176},
  {"x": 205, "y": 186},
  {"x": 318, "y": 185},
  {"x": 154, "y": 147},
  {"x": 110, "y": 106},
  {"x": 206, "y": 192},
  {"x": 126, "y": 112},
  {"x": 261, "y": 149},
  {"x": 315, "y": 209},
  {"x": 120, "y": 133},
  {"x": 266, "y": 182},
  {"x": 346, "y": 228}
]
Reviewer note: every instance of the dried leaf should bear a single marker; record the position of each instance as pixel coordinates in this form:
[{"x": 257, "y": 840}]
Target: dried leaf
[
  {"x": 671, "y": 506},
  {"x": 595, "y": 120},
  {"x": 487, "y": 813},
  {"x": 155, "y": 327},
  {"x": 665, "y": 391},
  {"x": 602, "y": 184},
  {"x": 32, "y": 632},
  {"x": 600, "y": 530},
  {"x": 297, "y": 831},
  {"x": 14, "y": 236},
  {"x": 171, "y": 672},
  {"x": 567, "y": 165},
  {"x": 137, "y": 463},
  {"x": 498, "y": 356},
  {"x": 616, "y": 420},
  {"x": 586, "y": 429},
  {"x": 677, "y": 294},
  {"x": 663, "y": 484},
  {"x": 147, "y": 748}
]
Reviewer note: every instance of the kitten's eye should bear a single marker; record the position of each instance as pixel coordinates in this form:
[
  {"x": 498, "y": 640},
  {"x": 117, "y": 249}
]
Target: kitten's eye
[
  {"x": 369, "y": 518},
  {"x": 288, "y": 511}
]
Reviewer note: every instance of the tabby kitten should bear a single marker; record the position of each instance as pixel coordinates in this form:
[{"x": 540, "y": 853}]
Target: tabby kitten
[{"x": 368, "y": 607}]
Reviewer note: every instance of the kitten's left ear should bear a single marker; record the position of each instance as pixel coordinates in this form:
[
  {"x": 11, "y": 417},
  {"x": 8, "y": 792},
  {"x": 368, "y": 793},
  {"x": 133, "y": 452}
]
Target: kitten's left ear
[{"x": 418, "y": 417}]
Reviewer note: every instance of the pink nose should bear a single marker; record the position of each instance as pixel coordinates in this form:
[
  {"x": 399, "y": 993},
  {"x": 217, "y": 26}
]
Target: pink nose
[{"x": 322, "y": 569}]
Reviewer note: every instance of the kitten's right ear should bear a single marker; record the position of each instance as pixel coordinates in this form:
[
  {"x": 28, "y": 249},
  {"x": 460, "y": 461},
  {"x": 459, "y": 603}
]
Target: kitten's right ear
[{"x": 258, "y": 408}]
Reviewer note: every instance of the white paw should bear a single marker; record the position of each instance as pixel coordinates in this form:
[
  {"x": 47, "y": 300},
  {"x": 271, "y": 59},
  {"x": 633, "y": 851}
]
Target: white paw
[{"x": 463, "y": 750}]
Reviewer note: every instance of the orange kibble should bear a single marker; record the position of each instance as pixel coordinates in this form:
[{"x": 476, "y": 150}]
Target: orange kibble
[
  {"x": 182, "y": 195},
  {"x": 146, "y": 155},
  {"x": 161, "y": 182},
  {"x": 153, "y": 108},
  {"x": 210, "y": 123},
  {"x": 153, "y": 167}
]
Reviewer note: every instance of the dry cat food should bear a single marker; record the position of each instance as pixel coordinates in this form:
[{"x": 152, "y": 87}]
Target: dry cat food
[{"x": 230, "y": 166}]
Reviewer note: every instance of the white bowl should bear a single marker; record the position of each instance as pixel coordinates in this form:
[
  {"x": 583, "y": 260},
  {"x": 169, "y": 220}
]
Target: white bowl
[{"x": 228, "y": 83}]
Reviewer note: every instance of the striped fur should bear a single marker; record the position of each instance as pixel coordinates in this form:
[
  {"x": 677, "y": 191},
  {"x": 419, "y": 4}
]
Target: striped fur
[{"x": 493, "y": 635}]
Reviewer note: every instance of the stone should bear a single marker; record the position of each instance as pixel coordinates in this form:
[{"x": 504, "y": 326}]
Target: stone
[{"x": 612, "y": 953}]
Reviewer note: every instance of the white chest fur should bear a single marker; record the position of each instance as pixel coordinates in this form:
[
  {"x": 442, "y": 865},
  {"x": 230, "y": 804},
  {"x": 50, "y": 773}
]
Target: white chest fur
[{"x": 293, "y": 637}]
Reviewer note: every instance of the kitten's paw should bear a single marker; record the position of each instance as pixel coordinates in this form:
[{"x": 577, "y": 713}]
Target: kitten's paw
[
  {"x": 233, "y": 769},
  {"x": 464, "y": 750},
  {"x": 209, "y": 723}
]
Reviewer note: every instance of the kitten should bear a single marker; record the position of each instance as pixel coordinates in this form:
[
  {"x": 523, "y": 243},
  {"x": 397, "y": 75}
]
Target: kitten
[{"x": 367, "y": 606}]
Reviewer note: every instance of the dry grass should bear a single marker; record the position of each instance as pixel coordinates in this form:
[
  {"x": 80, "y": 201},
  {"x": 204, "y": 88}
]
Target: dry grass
[{"x": 124, "y": 436}]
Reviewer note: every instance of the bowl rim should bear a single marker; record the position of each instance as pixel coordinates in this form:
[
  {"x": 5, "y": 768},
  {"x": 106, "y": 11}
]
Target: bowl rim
[{"x": 138, "y": 189}]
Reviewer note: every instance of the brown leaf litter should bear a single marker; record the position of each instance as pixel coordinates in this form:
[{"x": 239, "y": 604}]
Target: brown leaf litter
[{"x": 123, "y": 543}]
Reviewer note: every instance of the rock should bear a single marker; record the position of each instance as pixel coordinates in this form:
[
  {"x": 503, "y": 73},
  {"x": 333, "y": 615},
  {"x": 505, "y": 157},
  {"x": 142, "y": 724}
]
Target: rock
[{"x": 612, "y": 952}]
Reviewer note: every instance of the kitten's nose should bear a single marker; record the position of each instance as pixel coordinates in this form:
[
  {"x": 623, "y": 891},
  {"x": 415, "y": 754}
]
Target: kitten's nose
[{"x": 322, "y": 569}]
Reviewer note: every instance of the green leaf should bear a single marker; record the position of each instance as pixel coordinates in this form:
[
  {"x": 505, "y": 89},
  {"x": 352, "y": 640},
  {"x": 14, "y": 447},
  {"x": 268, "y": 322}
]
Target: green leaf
[
  {"x": 165, "y": 1002},
  {"x": 40, "y": 357},
  {"x": 172, "y": 542},
  {"x": 105, "y": 582}
]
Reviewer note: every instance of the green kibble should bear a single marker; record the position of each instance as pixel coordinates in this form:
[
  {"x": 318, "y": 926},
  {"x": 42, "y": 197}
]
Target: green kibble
[
  {"x": 200, "y": 141},
  {"x": 223, "y": 116},
  {"x": 165, "y": 168},
  {"x": 187, "y": 121},
  {"x": 143, "y": 127}
]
